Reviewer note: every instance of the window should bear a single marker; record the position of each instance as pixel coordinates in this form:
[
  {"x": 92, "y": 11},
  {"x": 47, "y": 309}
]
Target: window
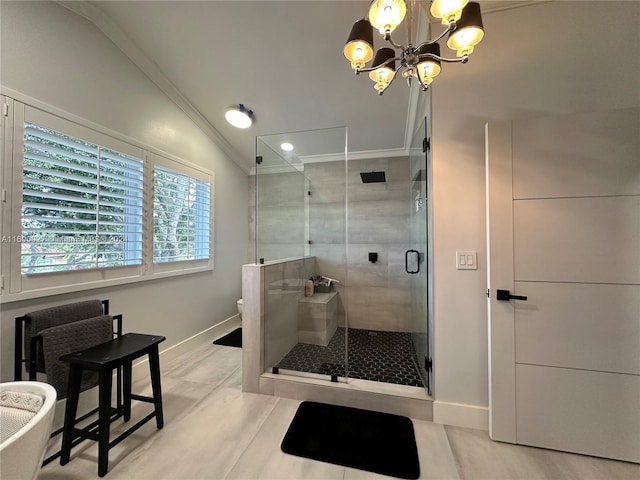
[
  {"x": 180, "y": 216},
  {"x": 83, "y": 207},
  {"x": 81, "y": 204}
]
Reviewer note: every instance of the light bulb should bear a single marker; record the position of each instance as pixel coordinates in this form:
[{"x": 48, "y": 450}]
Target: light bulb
[
  {"x": 358, "y": 53},
  {"x": 386, "y": 15},
  {"x": 383, "y": 75},
  {"x": 427, "y": 71},
  {"x": 465, "y": 41},
  {"x": 428, "y": 67},
  {"x": 468, "y": 32},
  {"x": 359, "y": 47},
  {"x": 448, "y": 10}
]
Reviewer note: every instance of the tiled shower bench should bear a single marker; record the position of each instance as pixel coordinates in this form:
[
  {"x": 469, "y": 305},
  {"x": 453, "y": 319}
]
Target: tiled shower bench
[{"x": 318, "y": 318}]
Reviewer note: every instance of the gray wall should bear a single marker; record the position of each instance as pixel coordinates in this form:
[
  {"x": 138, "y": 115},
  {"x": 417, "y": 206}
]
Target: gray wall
[{"x": 57, "y": 57}]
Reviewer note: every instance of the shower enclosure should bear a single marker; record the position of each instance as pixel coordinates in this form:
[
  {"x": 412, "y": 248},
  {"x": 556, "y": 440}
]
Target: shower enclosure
[{"x": 356, "y": 228}]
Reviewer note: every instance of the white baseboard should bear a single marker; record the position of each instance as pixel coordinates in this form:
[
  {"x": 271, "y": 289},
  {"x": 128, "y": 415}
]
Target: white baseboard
[
  {"x": 141, "y": 370},
  {"x": 88, "y": 399},
  {"x": 460, "y": 415}
]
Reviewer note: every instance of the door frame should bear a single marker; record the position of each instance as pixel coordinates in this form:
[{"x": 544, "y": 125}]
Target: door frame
[{"x": 500, "y": 261}]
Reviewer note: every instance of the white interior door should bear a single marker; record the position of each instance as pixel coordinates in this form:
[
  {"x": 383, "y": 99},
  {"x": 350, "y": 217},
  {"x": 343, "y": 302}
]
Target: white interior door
[{"x": 563, "y": 230}]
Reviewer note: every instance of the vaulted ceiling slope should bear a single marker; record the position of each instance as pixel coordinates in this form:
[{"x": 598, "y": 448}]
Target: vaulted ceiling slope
[{"x": 282, "y": 59}]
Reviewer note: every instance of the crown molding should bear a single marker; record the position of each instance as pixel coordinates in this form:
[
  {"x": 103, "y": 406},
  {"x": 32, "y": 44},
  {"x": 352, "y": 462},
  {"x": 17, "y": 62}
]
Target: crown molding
[
  {"x": 362, "y": 155},
  {"x": 114, "y": 33},
  {"x": 332, "y": 157}
]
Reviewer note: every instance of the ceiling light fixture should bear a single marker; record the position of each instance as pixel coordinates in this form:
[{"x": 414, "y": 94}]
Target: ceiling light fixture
[
  {"x": 286, "y": 146},
  {"x": 239, "y": 116},
  {"x": 464, "y": 28}
]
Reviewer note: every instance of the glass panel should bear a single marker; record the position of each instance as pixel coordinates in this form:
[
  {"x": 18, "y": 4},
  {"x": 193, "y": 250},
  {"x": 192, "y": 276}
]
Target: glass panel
[
  {"x": 381, "y": 315},
  {"x": 281, "y": 203},
  {"x": 419, "y": 238},
  {"x": 300, "y": 235}
]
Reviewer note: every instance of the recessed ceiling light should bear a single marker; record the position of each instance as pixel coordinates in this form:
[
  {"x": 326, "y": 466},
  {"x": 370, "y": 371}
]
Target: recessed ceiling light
[
  {"x": 239, "y": 116},
  {"x": 287, "y": 147}
]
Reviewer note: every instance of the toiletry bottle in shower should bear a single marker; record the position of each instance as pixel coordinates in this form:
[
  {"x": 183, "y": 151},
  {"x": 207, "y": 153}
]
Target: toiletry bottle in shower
[{"x": 308, "y": 288}]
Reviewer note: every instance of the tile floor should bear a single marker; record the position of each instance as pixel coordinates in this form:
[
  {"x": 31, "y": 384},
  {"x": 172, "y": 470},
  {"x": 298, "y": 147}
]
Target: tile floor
[
  {"x": 215, "y": 431},
  {"x": 373, "y": 355}
]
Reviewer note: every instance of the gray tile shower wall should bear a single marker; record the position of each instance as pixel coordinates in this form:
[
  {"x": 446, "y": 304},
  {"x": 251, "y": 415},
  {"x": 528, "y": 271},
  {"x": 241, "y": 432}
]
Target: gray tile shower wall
[{"x": 378, "y": 295}]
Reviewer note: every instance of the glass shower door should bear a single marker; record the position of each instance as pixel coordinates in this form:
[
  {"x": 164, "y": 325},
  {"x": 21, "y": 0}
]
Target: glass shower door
[
  {"x": 300, "y": 210},
  {"x": 417, "y": 257}
]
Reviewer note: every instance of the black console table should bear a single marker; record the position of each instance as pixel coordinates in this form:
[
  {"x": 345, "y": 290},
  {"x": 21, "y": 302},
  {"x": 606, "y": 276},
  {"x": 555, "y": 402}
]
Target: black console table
[{"x": 104, "y": 358}]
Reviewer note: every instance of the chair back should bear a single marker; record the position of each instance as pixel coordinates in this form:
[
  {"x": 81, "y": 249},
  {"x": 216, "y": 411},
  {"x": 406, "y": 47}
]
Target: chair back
[
  {"x": 43, "y": 336},
  {"x": 36, "y": 322}
]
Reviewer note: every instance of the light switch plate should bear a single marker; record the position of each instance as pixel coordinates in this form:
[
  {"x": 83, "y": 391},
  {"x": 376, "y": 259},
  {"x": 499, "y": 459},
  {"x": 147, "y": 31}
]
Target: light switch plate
[{"x": 467, "y": 260}]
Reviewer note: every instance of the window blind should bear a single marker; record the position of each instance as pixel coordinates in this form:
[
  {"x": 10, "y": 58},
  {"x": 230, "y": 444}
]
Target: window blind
[
  {"x": 81, "y": 204},
  {"x": 181, "y": 207}
]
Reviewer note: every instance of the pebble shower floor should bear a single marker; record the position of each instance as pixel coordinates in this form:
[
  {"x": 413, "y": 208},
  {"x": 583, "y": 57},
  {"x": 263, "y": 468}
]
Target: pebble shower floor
[{"x": 373, "y": 355}]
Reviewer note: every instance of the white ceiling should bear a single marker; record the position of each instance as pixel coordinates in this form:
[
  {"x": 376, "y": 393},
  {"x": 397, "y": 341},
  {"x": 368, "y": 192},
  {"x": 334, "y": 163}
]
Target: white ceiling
[{"x": 282, "y": 59}]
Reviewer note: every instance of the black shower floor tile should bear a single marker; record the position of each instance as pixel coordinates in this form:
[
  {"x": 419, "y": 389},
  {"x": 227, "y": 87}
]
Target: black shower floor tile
[{"x": 373, "y": 355}]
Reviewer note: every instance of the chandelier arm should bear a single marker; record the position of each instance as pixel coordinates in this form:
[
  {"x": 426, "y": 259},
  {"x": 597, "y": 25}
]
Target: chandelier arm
[
  {"x": 371, "y": 69},
  {"x": 447, "y": 30},
  {"x": 463, "y": 59},
  {"x": 395, "y": 45}
]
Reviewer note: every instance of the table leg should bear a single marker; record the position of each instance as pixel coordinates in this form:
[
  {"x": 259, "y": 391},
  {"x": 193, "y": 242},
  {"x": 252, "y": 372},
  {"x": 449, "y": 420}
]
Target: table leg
[
  {"x": 104, "y": 419},
  {"x": 154, "y": 367},
  {"x": 127, "y": 374},
  {"x": 73, "y": 392}
]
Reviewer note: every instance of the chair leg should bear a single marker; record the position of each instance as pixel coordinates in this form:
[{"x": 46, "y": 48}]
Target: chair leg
[
  {"x": 73, "y": 392},
  {"x": 104, "y": 419},
  {"x": 154, "y": 367}
]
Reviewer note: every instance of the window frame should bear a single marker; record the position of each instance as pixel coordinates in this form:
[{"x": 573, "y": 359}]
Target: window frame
[{"x": 15, "y": 285}]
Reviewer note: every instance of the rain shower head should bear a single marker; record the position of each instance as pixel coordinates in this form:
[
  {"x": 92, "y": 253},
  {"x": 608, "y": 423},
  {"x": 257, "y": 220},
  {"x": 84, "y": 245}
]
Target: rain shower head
[{"x": 373, "y": 177}]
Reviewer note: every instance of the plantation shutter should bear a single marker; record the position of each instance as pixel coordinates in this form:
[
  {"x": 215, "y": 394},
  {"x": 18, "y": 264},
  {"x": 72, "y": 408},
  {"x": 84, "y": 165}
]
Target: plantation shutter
[
  {"x": 181, "y": 220},
  {"x": 81, "y": 204}
]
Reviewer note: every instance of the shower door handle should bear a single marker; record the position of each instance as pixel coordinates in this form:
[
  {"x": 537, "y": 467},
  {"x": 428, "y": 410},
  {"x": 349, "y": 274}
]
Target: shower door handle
[{"x": 406, "y": 261}]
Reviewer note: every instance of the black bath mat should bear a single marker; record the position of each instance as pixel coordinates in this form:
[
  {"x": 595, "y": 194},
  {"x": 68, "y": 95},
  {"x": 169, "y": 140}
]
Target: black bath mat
[
  {"x": 372, "y": 441},
  {"x": 233, "y": 339}
]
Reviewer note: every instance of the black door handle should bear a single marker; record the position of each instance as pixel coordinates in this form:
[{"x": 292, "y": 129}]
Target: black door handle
[
  {"x": 406, "y": 261},
  {"x": 505, "y": 295}
]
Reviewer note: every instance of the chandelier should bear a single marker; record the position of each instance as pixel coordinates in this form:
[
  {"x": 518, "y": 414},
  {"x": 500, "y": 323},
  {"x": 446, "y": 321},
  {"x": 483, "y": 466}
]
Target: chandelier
[{"x": 464, "y": 28}]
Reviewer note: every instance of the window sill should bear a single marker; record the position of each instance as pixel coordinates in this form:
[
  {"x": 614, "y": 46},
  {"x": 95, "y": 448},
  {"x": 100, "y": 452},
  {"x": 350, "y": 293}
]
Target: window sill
[{"x": 80, "y": 287}]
